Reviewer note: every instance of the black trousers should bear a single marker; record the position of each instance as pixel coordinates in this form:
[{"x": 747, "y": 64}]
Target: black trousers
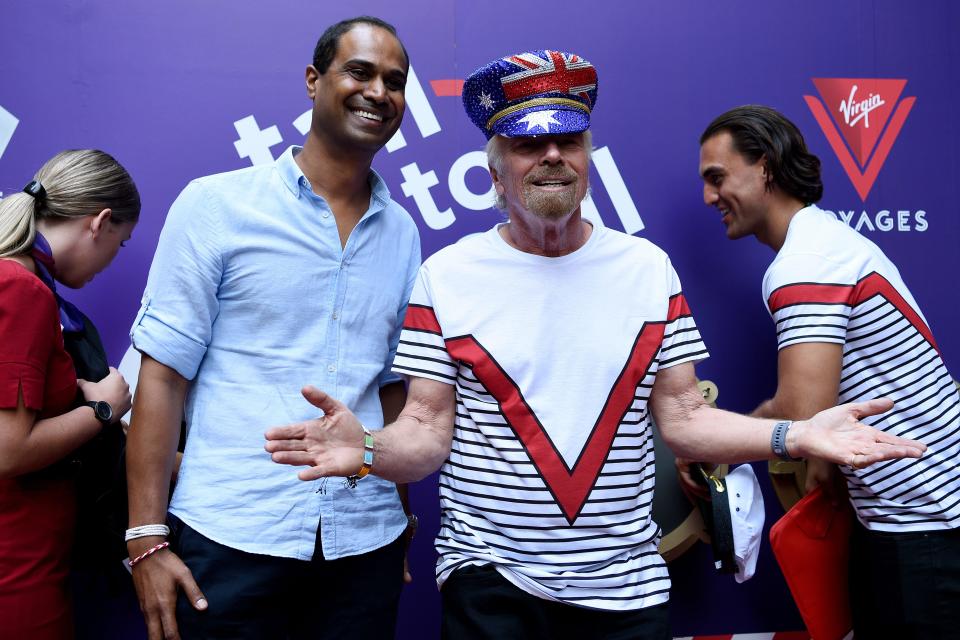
[
  {"x": 905, "y": 586},
  {"x": 480, "y": 604},
  {"x": 264, "y": 598}
]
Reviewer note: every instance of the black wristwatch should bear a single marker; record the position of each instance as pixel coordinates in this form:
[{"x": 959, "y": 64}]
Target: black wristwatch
[{"x": 102, "y": 410}]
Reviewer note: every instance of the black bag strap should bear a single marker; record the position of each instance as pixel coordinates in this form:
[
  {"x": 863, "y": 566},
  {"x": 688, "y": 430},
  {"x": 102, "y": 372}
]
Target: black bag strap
[{"x": 86, "y": 349}]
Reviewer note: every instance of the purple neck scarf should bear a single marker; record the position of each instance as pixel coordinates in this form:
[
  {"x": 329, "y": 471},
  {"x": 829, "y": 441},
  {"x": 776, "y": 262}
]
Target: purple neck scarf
[{"x": 70, "y": 316}]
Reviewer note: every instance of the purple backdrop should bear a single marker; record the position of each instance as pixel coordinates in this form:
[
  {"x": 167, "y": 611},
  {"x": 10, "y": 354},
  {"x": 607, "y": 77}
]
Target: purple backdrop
[{"x": 181, "y": 89}]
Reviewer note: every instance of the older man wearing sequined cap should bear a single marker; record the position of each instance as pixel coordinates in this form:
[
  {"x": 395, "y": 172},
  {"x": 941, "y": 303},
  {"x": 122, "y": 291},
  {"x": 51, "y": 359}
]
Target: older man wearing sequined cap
[{"x": 536, "y": 353}]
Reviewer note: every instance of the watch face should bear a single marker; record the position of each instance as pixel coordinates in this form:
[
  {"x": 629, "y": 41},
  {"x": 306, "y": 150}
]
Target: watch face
[{"x": 103, "y": 410}]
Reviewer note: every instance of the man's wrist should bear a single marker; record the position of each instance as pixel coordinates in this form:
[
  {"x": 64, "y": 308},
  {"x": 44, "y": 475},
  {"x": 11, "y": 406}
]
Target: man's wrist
[
  {"x": 367, "y": 462},
  {"x": 146, "y": 531},
  {"x": 785, "y": 439},
  {"x": 102, "y": 411},
  {"x": 137, "y": 546},
  {"x": 795, "y": 439}
]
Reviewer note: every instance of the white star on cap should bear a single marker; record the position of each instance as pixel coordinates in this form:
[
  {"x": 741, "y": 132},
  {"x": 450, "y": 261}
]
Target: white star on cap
[
  {"x": 542, "y": 119},
  {"x": 485, "y": 100}
]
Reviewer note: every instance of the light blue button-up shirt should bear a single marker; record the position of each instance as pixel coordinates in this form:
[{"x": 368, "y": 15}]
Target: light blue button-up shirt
[{"x": 250, "y": 296}]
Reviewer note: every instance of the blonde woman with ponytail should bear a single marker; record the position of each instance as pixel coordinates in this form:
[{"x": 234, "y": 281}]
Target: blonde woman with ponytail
[{"x": 65, "y": 227}]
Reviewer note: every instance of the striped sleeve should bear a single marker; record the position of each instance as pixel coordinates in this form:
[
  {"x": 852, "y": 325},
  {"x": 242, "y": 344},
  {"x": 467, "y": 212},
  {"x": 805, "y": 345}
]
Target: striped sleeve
[
  {"x": 681, "y": 338},
  {"x": 422, "y": 352},
  {"x": 809, "y": 299}
]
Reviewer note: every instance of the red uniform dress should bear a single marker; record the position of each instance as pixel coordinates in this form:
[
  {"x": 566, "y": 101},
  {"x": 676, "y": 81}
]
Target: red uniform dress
[{"x": 37, "y": 510}]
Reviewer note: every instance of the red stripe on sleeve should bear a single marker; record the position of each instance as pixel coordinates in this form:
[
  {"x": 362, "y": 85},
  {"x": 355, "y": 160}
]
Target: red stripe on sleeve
[
  {"x": 678, "y": 307},
  {"x": 421, "y": 318},
  {"x": 871, "y": 285},
  {"x": 810, "y": 294}
]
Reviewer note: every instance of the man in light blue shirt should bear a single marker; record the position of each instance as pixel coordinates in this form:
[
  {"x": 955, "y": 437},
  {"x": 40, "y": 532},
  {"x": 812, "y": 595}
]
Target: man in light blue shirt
[{"x": 266, "y": 279}]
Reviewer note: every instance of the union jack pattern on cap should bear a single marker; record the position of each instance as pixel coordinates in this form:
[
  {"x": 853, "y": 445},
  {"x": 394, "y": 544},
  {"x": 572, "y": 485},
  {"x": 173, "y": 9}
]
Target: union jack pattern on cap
[{"x": 534, "y": 93}]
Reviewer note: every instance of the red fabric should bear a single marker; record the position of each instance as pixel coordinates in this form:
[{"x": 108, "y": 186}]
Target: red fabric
[
  {"x": 32, "y": 357},
  {"x": 812, "y": 545},
  {"x": 37, "y": 511}
]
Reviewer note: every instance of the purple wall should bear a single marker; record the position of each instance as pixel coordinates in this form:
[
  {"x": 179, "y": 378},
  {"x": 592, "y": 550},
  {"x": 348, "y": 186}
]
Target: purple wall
[{"x": 169, "y": 87}]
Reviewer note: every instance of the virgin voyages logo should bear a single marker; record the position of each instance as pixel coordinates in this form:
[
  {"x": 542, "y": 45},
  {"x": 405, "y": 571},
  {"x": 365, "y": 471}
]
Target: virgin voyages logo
[{"x": 861, "y": 121}]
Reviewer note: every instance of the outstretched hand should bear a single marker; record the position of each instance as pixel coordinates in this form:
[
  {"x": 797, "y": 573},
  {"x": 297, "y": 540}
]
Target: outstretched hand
[
  {"x": 331, "y": 445},
  {"x": 837, "y": 435}
]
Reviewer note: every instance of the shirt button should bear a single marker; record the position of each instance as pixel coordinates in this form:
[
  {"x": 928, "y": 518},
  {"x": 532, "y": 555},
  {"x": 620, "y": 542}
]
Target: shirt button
[
  {"x": 325, "y": 214},
  {"x": 335, "y": 315},
  {"x": 332, "y": 368}
]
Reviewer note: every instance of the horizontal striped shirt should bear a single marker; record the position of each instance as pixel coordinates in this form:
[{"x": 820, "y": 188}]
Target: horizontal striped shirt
[
  {"x": 830, "y": 284},
  {"x": 551, "y": 472}
]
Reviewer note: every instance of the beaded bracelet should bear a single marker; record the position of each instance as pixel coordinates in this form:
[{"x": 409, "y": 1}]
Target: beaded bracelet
[
  {"x": 351, "y": 481},
  {"x": 146, "y": 530},
  {"x": 149, "y": 552}
]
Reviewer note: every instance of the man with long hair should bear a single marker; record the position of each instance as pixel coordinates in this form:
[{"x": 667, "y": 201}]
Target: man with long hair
[{"x": 849, "y": 329}]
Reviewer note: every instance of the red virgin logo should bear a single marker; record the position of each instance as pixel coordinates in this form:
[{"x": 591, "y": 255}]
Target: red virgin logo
[{"x": 861, "y": 118}]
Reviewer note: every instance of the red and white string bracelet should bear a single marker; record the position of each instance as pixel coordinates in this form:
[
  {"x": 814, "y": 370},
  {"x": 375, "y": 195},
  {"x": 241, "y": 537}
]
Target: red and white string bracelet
[{"x": 149, "y": 552}]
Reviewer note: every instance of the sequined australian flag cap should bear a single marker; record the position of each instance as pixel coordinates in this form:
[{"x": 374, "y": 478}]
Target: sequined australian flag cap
[{"x": 530, "y": 94}]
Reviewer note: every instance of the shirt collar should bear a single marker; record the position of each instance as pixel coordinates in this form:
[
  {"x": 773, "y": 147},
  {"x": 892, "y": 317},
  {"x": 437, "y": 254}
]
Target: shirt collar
[
  {"x": 293, "y": 179},
  {"x": 379, "y": 193},
  {"x": 289, "y": 171}
]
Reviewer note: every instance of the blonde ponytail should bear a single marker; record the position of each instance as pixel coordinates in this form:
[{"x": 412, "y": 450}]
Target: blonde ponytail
[
  {"x": 18, "y": 225},
  {"x": 76, "y": 183}
]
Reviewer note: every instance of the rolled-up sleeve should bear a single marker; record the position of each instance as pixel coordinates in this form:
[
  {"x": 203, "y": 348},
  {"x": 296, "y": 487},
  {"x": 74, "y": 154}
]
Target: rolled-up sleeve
[{"x": 180, "y": 303}]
